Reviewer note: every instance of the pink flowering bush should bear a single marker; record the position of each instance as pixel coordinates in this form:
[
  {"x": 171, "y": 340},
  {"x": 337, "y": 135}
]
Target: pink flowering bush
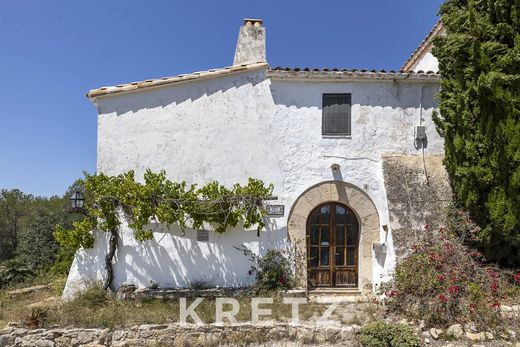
[{"x": 444, "y": 282}]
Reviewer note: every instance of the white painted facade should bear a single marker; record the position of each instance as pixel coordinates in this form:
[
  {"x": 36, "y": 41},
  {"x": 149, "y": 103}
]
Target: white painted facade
[
  {"x": 427, "y": 62},
  {"x": 247, "y": 124}
]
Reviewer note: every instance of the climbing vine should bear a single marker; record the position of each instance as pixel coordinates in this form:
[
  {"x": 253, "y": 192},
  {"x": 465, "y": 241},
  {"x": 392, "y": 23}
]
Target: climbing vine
[{"x": 159, "y": 200}]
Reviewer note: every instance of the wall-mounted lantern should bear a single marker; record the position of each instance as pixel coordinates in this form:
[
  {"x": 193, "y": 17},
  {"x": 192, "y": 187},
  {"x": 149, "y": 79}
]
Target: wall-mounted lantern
[{"x": 77, "y": 202}]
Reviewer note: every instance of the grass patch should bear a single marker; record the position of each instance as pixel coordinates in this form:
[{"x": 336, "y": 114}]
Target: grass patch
[
  {"x": 96, "y": 308},
  {"x": 14, "y": 309}
]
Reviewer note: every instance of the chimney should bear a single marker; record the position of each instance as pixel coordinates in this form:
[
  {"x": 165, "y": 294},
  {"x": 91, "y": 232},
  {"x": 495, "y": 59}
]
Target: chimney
[{"x": 251, "y": 43}]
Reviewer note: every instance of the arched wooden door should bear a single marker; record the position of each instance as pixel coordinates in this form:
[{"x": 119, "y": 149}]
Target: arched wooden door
[{"x": 332, "y": 246}]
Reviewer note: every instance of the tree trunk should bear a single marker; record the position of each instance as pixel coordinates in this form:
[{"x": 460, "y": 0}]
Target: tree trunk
[{"x": 112, "y": 247}]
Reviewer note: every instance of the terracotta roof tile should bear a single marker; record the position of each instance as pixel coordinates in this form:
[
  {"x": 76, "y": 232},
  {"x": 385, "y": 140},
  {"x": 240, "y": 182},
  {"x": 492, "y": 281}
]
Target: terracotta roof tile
[
  {"x": 277, "y": 72},
  {"x": 132, "y": 86},
  {"x": 349, "y": 74}
]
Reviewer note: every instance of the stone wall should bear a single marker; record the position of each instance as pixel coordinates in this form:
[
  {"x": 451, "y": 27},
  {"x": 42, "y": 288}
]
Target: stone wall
[
  {"x": 181, "y": 335},
  {"x": 418, "y": 193}
]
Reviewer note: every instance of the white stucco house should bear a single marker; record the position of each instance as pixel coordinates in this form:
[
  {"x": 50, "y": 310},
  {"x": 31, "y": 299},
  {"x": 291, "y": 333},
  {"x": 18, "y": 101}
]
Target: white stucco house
[{"x": 351, "y": 153}]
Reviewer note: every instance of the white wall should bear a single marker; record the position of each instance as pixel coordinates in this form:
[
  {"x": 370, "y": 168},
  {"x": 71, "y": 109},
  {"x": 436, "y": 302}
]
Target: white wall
[
  {"x": 426, "y": 63},
  {"x": 173, "y": 259},
  {"x": 240, "y": 126}
]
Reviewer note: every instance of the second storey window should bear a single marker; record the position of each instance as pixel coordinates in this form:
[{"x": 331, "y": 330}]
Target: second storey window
[{"x": 336, "y": 114}]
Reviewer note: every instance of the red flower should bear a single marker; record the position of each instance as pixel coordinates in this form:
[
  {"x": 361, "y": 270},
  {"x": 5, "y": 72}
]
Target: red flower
[
  {"x": 391, "y": 293},
  {"x": 516, "y": 278},
  {"x": 476, "y": 254},
  {"x": 442, "y": 298},
  {"x": 454, "y": 277},
  {"x": 492, "y": 273},
  {"x": 454, "y": 289},
  {"x": 426, "y": 227},
  {"x": 495, "y": 305},
  {"x": 494, "y": 286},
  {"x": 440, "y": 278},
  {"x": 448, "y": 247}
]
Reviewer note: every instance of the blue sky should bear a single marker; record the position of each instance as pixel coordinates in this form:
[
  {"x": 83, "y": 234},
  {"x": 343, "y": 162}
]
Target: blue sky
[{"x": 53, "y": 52}]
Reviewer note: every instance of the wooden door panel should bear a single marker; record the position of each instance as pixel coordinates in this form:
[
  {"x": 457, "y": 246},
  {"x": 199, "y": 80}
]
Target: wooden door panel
[
  {"x": 332, "y": 236},
  {"x": 319, "y": 278},
  {"x": 346, "y": 278}
]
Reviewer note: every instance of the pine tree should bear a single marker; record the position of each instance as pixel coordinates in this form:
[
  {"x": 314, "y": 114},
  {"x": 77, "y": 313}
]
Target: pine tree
[{"x": 479, "y": 59}]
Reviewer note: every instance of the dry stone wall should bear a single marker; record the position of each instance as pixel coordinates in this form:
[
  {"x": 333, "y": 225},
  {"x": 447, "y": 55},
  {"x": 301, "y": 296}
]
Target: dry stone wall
[{"x": 182, "y": 335}]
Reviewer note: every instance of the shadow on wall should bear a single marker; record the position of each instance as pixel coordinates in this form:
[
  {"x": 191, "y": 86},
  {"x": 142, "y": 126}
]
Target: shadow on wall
[
  {"x": 383, "y": 94},
  {"x": 176, "y": 94},
  {"x": 89, "y": 263},
  {"x": 172, "y": 259}
]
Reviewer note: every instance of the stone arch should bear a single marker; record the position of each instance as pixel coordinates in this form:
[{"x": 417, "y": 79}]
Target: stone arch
[{"x": 351, "y": 196}]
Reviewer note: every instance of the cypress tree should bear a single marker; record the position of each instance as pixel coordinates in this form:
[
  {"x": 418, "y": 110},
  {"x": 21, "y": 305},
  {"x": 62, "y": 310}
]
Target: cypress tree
[{"x": 479, "y": 59}]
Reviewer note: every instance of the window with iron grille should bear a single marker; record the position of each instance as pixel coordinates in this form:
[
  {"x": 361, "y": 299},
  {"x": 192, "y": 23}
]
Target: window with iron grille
[{"x": 336, "y": 114}]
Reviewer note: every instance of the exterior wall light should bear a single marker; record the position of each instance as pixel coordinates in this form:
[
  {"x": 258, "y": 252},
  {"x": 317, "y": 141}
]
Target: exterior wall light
[
  {"x": 77, "y": 201},
  {"x": 336, "y": 172},
  {"x": 335, "y": 167}
]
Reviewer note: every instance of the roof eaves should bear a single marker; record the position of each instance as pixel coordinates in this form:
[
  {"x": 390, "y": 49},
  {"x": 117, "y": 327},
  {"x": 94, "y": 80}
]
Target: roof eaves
[
  {"x": 316, "y": 74},
  {"x": 134, "y": 86}
]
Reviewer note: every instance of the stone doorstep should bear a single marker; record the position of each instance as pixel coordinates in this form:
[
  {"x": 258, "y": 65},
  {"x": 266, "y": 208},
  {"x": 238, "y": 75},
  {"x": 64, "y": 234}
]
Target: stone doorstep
[
  {"x": 335, "y": 290},
  {"x": 328, "y": 295}
]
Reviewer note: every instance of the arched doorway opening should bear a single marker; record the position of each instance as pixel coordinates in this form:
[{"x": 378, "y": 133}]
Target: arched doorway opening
[
  {"x": 332, "y": 246},
  {"x": 363, "y": 208}
]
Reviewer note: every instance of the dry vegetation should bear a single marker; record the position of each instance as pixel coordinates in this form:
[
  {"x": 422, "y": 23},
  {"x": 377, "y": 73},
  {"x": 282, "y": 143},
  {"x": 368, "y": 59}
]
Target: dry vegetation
[{"x": 96, "y": 308}]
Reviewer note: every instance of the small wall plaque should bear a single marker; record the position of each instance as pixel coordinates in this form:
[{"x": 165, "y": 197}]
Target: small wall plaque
[
  {"x": 202, "y": 235},
  {"x": 275, "y": 210}
]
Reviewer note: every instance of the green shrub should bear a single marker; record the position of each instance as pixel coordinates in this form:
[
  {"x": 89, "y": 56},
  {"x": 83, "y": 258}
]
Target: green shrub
[
  {"x": 13, "y": 272},
  {"x": 36, "y": 245},
  {"x": 63, "y": 261},
  {"x": 444, "y": 282},
  {"x": 201, "y": 284},
  {"x": 273, "y": 270},
  {"x": 382, "y": 334}
]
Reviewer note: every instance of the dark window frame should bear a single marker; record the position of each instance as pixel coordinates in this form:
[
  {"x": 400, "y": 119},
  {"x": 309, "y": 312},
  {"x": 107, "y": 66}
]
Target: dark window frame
[{"x": 349, "y": 115}]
